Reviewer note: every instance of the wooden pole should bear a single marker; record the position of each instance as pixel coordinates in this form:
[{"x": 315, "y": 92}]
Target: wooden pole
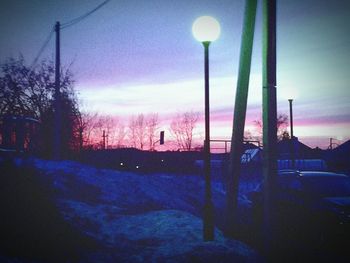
[
  {"x": 57, "y": 103},
  {"x": 269, "y": 118}
]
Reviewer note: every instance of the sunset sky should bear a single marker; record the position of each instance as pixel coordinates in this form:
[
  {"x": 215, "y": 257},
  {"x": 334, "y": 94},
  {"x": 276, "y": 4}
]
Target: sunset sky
[{"x": 134, "y": 57}]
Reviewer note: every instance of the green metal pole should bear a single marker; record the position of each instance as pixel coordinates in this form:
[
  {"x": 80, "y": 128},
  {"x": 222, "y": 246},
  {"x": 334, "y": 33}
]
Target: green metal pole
[
  {"x": 208, "y": 217},
  {"x": 269, "y": 118},
  {"x": 240, "y": 113}
]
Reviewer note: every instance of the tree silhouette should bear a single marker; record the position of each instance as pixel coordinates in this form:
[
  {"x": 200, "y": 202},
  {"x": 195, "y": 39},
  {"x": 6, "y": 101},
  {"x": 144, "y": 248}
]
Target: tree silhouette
[
  {"x": 182, "y": 127},
  {"x": 142, "y": 130},
  {"x": 29, "y": 92},
  {"x": 152, "y": 126},
  {"x": 282, "y": 123}
]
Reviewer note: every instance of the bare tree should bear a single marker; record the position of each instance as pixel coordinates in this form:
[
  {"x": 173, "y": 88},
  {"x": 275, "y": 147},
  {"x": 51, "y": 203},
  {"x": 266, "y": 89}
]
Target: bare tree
[
  {"x": 22, "y": 91},
  {"x": 92, "y": 127},
  {"x": 105, "y": 126},
  {"x": 282, "y": 123},
  {"x": 87, "y": 123},
  {"x": 137, "y": 131},
  {"x": 119, "y": 135},
  {"x": 182, "y": 127},
  {"x": 141, "y": 130},
  {"x": 113, "y": 130},
  {"x": 132, "y": 131},
  {"x": 29, "y": 92},
  {"x": 152, "y": 124}
]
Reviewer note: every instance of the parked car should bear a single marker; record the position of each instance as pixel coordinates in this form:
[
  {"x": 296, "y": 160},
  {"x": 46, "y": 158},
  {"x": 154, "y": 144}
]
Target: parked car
[{"x": 312, "y": 209}]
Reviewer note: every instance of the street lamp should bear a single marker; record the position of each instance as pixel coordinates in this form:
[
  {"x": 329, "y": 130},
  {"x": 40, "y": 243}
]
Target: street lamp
[
  {"x": 292, "y": 151},
  {"x": 206, "y": 29}
]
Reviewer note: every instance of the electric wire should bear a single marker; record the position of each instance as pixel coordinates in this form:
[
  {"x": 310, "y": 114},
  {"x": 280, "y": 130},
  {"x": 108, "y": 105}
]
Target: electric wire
[
  {"x": 64, "y": 25},
  {"x": 41, "y": 50},
  {"x": 82, "y": 17}
]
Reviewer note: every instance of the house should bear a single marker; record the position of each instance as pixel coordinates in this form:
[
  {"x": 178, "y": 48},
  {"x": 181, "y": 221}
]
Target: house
[
  {"x": 338, "y": 159},
  {"x": 18, "y": 133},
  {"x": 301, "y": 151},
  {"x": 305, "y": 158},
  {"x": 251, "y": 155}
]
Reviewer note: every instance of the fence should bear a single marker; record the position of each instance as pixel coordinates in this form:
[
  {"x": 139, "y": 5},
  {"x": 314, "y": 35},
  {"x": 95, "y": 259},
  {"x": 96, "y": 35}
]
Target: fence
[{"x": 224, "y": 146}]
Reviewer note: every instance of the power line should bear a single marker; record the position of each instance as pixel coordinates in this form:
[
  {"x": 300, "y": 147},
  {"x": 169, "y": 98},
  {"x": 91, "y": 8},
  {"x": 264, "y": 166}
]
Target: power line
[
  {"x": 41, "y": 50},
  {"x": 64, "y": 25},
  {"x": 82, "y": 17}
]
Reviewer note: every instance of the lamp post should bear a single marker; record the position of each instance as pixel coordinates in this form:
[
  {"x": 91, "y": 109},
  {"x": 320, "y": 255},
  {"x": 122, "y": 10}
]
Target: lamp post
[
  {"x": 292, "y": 152},
  {"x": 206, "y": 29}
]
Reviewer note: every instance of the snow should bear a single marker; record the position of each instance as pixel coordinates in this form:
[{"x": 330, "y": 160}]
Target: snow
[
  {"x": 155, "y": 235},
  {"x": 140, "y": 218}
]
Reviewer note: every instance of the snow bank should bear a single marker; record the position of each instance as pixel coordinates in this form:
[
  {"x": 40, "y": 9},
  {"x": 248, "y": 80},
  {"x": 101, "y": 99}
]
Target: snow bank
[
  {"x": 139, "y": 218},
  {"x": 155, "y": 236}
]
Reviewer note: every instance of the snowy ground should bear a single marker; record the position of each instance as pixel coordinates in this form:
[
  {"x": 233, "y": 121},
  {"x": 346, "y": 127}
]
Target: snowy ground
[{"x": 140, "y": 218}]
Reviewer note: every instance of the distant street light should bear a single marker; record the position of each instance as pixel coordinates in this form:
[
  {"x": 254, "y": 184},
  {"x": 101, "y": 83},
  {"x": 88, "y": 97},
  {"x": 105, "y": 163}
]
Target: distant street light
[
  {"x": 292, "y": 151},
  {"x": 207, "y": 29}
]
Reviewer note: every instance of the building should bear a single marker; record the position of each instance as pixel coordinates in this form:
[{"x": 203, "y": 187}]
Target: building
[{"x": 18, "y": 133}]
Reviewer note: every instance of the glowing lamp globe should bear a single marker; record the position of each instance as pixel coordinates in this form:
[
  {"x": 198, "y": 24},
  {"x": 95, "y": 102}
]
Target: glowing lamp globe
[{"x": 206, "y": 29}]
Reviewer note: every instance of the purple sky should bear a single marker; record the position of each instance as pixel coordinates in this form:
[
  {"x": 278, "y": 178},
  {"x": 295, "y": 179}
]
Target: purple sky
[{"x": 134, "y": 57}]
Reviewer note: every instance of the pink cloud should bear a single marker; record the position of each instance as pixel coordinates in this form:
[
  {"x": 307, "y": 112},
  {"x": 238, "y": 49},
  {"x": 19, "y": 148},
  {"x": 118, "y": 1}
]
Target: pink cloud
[{"x": 323, "y": 120}]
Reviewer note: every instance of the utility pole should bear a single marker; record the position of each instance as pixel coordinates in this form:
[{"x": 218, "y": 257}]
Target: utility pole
[
  {"x": 57, "y": 103},
  {"x": 104, "y": 136},
  {"x": 240, "y": 114},
  {"x": 269, "y": 118},
  {"x": 331, "y": 143}
]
